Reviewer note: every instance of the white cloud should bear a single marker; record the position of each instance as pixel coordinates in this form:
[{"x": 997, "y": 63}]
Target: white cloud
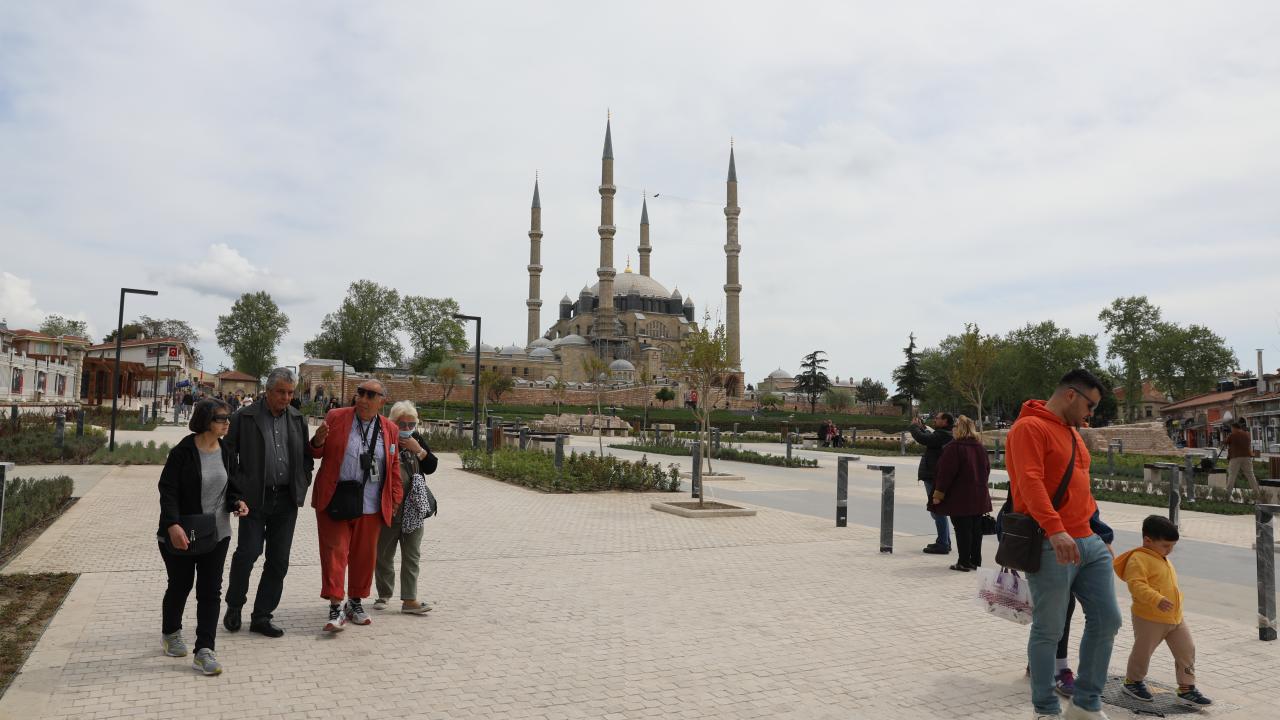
[
  {"x": 19, "y": 308},
  {"x": 224, "y": 272}
]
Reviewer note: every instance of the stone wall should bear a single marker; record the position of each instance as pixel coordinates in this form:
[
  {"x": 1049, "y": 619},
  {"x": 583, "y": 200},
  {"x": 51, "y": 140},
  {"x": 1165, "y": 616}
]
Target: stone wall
[{"x": 1138, "y": 438}]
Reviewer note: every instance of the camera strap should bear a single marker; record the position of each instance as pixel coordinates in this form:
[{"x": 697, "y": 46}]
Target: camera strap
[{"x": 372, "y": 445}]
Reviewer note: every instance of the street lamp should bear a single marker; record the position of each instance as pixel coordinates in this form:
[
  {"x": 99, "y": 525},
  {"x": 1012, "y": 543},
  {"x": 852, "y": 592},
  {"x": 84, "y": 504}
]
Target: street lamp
[
  {"x": 475, "y": 395},
  {"x": 115, "y": 375}
]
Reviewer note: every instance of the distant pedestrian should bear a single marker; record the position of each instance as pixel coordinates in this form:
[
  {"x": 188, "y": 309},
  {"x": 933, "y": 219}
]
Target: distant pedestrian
[
  {"x": 197, "y": 493},
  {"x": 933, "y": 442},
  {"x": 960, "y": 491},
  {"x": 1044, "y": 449},
  {"x": 1240, "y": 456},
  {"x": 1157, "y": 613}
]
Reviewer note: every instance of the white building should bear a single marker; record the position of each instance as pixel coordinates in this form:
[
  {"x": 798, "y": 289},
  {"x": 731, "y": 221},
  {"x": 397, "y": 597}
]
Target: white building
[{"x": 40, "y": 369}]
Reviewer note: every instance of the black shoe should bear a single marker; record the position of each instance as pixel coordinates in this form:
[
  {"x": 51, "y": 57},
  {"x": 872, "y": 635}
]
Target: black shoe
[
  {"x": 934, "y": 549},
  {"x": 231, "y": 621},
  {"x": 266, "y": 627},
  {"x": 960, "y": 568}
]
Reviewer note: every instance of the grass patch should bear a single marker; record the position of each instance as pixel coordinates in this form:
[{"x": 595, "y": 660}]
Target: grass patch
[
  {"x": 27, "y": 603},
  {"x": 134, "y": 453},
  {"x": 581, "y": 473},
  {"x": 726, "y": 453}
]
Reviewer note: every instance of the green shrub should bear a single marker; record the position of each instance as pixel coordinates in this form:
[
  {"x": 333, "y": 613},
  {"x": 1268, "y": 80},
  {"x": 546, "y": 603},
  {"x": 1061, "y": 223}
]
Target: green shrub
[
  {"x": 30, "y": 502},
  {"x": 131, "y": 454},
  {"x": 680, "y": 448},
  {"x": 125, "y": 420},
  {"x": 581, "y": 473},
  {"x": 31, "y": 442}
]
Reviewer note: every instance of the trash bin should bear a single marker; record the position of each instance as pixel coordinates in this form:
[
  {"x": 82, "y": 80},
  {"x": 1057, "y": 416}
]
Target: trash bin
[{"x": 1275, "y": 468}]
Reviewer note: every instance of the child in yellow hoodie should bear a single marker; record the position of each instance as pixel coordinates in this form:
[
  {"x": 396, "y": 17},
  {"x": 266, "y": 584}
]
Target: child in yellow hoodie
[{"x": 1157, "y": 612}]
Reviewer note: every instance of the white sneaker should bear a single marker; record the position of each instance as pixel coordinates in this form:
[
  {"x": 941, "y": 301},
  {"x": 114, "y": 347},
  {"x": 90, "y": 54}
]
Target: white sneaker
[
  {"x": 337, "y": 619},
  {"x": 380, "y": 604},
  {"x": 1076, "y": 713},
  {"x": 1045, "y": 716},
  {"x": 355, "y": 612}
]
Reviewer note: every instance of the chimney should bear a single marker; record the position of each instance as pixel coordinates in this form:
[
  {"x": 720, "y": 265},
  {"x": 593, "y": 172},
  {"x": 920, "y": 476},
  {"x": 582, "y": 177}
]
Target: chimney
[{"x": 1262, "y": 383}]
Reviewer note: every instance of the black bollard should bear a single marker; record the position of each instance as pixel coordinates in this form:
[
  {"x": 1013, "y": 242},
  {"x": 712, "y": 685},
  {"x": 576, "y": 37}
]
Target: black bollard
[
  {"x": 524, "y": 437},
  {"x": 4, "y": 468},
  {"x": 696, "y": 475},
  {"x": 80, "y": 423},
  {"x": 1189, "y": 475},
  {"x": 1264, "y": 541},
  {"x": 59, "y": 428},
  {"x": 715, "y": 442},
  {"x": 1175, "y": 497},
  {"x": 559, "y": 454},
  {"x": 488, "y": 440},
  {"x": 842, "y": 492},
  {"x": 886, "y": 506},
  {"x": 788, "y": 448},
  {"x": 902, "y": 445}
]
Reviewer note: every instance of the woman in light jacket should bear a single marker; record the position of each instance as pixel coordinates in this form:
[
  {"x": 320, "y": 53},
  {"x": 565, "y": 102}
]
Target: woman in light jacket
[
  {"x": 196, "y": 480},
  {"x": 405, "y": 530},
  {"x": 960, "y": 491}
]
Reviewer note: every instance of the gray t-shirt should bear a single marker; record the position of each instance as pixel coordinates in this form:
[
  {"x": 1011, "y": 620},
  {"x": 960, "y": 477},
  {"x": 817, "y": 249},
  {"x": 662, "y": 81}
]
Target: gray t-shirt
[{"x": 213, "y": 490}]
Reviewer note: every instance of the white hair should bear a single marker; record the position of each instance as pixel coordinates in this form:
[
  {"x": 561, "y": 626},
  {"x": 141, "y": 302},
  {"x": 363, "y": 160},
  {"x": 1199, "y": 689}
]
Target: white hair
[{"x": 402, "y": 409}]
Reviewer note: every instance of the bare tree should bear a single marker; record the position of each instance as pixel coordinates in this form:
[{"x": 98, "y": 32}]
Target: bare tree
[{"x": 703, "y": 362}]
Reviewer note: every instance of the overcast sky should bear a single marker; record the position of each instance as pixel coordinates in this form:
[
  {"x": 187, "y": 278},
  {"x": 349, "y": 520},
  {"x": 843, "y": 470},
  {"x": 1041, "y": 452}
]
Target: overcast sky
[{"x": 903, "y": 167}]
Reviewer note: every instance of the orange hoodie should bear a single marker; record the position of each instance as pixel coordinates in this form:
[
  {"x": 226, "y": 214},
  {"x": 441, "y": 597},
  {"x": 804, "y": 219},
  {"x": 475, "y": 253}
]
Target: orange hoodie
[
  {"x": 1039, "y": 446},
  {"x": 1151, "y": 578}
]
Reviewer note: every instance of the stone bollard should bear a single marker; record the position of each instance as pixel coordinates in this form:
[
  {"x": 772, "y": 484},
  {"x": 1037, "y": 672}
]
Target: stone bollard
[
  {"x": 4, "y": 469},
  {"x": 789, "y": 448},
  {"x": 902, "y": 444},
  {"x": 696, "y": 474},
  {"x": 715, "y": 442},
  {"x": 59, "y": 428},
  {"x": 853, "y": 433},
  {"x": 1264, "y": 541},
  {"x": 842, "y": 492},
  {"x": 886, "y": 506},
  {"x": 560, "y": 454},
  {"x": 524, "y": 437},
  {"x": 80, "y": 423},
  {"x": 142, "y": 414},
  {"x": 458, "y": 427},
  {"x": 999, "y": 451},
  {"x": 1111, "y": 457},
  {"x": 1189, "y": 476},
  {"x": 1175, "y": 497}
]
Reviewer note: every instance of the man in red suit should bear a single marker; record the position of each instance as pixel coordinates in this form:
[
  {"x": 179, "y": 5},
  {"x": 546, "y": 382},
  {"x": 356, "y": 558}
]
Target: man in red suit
[{"x": 356, "y": 492}]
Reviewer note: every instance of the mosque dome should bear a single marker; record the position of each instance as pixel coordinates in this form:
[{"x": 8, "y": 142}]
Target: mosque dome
[
  {"x": 511, "y": 350},
  {"x": 570, "y": 339},
  {"x": 627, "y": 283},
  {"x": 779, "y": 374},
  {"x": 483, "y": 348},
  {"x": 541, "y": 353},
  {"x": 540, "y": 343},
  {"x": 621, "y": 365}
]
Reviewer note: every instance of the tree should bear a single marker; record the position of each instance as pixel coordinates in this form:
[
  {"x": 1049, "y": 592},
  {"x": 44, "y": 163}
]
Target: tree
[
  {"x": 970, "y": 372},
  {"x": 909, "y": 377},
  {"x": 57, "y": 326},
  {"x": 487, "y": 380},
  {"x": 362, "y": 331},
  {"x": 1186, "y": 361},
  {"x": 871, "y": 392},
  {"x": 812, "y": 381},
  {"x": 251, "y": 332},
  {"x": 702, "y": 361},
  {"x": 770, "y": 401},
  {"x": 166, "y": 328},
  {"x": 558, "y": 391},
  {"x": 665, "y": 395},
  {"x": 500, "y": 385},
  {"x": 433, "y": 332},
  {"x": 597, "y": 372},
  {"x": 1131, "y": 323},
  {"x": 446, "y": 373},
  {"x": 838, "y": 400},
  {"x": 1032, "y": 359}
]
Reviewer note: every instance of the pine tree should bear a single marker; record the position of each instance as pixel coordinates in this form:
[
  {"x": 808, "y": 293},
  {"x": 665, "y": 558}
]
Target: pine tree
[{"x": 908, "y": 376}]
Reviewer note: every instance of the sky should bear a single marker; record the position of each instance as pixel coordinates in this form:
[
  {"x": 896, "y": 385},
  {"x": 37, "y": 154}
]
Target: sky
[{"x": 903, "y": 168}]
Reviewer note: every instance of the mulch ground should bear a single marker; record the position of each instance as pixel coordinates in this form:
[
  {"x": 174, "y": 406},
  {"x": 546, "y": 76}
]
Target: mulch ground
[{"x": 27, "y": 603}]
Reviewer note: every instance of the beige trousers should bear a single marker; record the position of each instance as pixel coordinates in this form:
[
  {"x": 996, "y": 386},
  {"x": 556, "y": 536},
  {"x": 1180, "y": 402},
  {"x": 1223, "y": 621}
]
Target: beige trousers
[
  {"x": 1237, "y": 466},
  {"x": 1147, "y": 636}
]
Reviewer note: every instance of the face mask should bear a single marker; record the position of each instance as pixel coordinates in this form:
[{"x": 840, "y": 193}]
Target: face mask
[{"x": 405, "y": 434}]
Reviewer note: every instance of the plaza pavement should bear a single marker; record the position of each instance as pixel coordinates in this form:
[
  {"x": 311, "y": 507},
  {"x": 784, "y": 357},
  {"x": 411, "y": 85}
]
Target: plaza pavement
[{"x": 569, "y": 606}]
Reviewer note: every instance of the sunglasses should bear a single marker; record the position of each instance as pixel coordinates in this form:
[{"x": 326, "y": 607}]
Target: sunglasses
[
  {"x": 220, "y": 418},
  {"x": 363, "y": 392},
  {"x": 408, "y": 424},
  {"x": 1082, "y": 394}
]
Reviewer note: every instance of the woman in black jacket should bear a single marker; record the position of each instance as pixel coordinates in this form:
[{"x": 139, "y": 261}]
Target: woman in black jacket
[{"x": 196, "y": 495}]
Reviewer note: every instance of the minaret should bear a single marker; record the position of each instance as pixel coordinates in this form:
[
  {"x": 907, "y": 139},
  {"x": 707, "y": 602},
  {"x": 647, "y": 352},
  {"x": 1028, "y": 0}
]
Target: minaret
[
  {"x": 535, "y": 265},
  {"x": 731, "y": 249},
  {"x": 644, "y": 238},
  {"x": 605, "y": 313}
]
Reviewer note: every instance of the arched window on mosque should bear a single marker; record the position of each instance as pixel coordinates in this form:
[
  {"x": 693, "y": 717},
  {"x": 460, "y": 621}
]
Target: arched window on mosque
[{"x": 656, "y": 329}]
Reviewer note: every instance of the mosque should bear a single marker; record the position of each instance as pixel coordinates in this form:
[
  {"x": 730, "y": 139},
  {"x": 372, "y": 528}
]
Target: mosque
[{"x": 638, "y": 322}]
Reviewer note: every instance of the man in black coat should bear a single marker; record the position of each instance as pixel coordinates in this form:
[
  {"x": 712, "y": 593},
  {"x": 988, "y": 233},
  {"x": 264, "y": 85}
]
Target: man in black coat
[
  {"x": 933, "y": 443},
  {"x": 273, "y": 471}
]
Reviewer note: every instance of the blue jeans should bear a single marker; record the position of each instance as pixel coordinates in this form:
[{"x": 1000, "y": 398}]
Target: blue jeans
[
  {"x": 940, "y": 521},
  {"x": 1092, "y": 582}
]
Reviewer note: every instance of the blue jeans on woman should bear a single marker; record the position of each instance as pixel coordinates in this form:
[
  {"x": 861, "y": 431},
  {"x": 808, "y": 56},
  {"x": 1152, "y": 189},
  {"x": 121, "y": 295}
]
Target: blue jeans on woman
[{"x": 1092, "y": 582}]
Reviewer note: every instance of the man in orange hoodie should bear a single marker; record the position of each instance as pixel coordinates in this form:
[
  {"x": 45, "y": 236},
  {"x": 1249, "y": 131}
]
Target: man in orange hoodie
[{"x": 1042, "y": 445}]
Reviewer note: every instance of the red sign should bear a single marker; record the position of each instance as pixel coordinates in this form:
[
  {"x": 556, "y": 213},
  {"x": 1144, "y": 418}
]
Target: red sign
[{"x": 173, "y": 352}]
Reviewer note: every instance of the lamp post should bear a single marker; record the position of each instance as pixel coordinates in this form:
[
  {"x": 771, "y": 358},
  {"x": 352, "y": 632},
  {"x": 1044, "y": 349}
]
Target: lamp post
[
  {"x": 475, "y": 395},
  {"x": 115, "y": 374}
]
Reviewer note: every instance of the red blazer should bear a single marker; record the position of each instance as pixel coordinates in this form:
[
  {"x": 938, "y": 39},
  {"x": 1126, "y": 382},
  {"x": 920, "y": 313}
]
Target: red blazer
[{"x": 335, "y": 447}]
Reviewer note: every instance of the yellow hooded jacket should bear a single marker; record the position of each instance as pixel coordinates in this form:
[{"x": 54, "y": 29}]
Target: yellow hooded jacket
[{"x": 1151, "y": 578}]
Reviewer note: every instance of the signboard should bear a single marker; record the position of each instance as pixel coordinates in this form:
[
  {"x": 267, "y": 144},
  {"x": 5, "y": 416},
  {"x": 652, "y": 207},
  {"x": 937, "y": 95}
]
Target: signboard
[
  {"x": 184, "y": 383},
  {"x": 173, "y": 351}
]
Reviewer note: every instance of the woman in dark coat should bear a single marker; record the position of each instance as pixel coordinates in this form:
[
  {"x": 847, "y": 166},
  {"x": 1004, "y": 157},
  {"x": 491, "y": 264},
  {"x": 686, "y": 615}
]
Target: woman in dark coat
[
  {"x": 960, "y": 491},
  {"x": 195, "y": 482}
]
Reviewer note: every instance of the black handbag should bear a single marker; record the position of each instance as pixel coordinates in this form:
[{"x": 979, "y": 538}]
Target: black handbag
[
  {"x": 1022, "y": 537},
  {"x": 988, "y": 525},
  {"x": 347, "y": 502},
  {"x": 201, "y": 531}
]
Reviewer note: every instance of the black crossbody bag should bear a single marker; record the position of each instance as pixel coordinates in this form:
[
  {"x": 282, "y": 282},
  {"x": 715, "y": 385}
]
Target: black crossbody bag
[
  {"x": 347, "y": 502},
  {"x": 201, "y": 531},
  {"x": 1023, "y": 538}
]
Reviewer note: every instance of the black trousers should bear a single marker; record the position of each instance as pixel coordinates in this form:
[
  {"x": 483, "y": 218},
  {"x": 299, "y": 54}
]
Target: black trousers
[
  {"x": 968, "y": 539},
  {"x": 205, "y": 572},
  {"x": 1066, "y": 630},
  {"x": 270, "y": 525}
]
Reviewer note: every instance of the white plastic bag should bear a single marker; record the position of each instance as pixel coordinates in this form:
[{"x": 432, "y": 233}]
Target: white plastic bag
[{"x": 1005, "y": 594}]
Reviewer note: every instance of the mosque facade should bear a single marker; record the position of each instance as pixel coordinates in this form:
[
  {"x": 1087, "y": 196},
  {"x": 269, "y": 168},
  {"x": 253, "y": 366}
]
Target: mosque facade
[{"x": 628, "y": 319}]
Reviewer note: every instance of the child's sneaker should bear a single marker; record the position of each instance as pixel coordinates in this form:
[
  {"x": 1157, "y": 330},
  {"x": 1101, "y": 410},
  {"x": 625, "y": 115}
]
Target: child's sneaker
[
  {"x": 1137, "y": 690},
  {"x": 1065, "y": 683},
  {"x": 1191, "y": 696}
]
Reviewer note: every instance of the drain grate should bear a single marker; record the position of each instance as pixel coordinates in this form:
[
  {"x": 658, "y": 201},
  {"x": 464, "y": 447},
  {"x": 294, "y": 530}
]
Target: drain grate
[{"x": 1165, "y": 699}]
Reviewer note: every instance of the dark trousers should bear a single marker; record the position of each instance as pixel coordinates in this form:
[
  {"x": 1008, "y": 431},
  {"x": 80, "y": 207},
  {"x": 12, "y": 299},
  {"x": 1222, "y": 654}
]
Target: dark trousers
[
  {"x": 272, "y": 525},
  {"x": 205, "y": 572},
  {"x": 968, "y": 539},
  {"x": 1066, "y": 630}
]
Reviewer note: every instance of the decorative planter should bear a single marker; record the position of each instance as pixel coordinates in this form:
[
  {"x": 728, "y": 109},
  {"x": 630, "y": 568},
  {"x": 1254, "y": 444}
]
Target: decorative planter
[{"x": 691, "y": 509}]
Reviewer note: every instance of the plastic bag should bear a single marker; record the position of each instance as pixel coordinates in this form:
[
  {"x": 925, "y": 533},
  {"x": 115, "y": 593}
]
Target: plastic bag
[{"x": 1005, "y": 594}]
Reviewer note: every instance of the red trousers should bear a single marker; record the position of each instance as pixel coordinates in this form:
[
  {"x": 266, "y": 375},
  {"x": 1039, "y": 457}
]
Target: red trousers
[{"x": 348, "y": 551}]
